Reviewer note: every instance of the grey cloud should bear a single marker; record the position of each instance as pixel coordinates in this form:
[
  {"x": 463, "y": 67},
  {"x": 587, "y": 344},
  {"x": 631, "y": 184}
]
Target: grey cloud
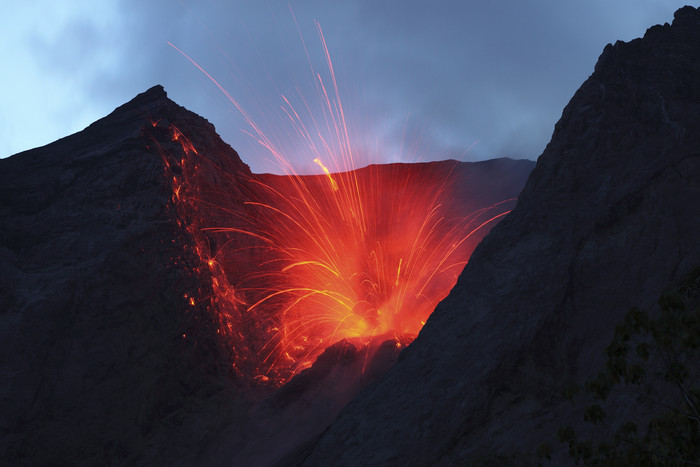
[{"x": 499, "y": 72}]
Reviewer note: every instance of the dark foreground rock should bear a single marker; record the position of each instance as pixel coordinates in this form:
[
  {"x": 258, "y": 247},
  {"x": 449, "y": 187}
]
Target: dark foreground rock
[
  {"x": 609, "y": 217},
  {"x": 280, "y": 429}
]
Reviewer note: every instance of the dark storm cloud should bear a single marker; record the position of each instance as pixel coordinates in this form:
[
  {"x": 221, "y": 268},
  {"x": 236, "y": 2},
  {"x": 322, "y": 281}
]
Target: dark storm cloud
[{"x": 432, "y": 78}]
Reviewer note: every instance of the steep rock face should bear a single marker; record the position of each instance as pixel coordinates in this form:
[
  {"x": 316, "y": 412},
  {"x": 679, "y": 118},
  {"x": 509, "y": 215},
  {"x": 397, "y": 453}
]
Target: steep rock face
[
  {"x": 102, "y": 356},
  {"x": 609, "y": 217}
]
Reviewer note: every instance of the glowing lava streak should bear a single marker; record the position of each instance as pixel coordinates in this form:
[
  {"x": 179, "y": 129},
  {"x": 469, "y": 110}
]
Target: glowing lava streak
[{"x": 348, "y": 254}]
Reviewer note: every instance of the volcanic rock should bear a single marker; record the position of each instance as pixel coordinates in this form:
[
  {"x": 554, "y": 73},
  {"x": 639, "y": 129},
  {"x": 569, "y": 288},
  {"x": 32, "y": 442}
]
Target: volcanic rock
[
  {"x": 609, "y": 218},
  {"x": 279, "y": 430}
]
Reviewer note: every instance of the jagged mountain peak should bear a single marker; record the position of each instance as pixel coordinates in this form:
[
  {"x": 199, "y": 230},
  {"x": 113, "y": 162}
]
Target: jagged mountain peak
[{"x": 687, "y": 16}]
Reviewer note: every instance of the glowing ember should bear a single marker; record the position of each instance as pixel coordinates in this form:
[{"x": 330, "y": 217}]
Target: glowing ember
[{"x": 298, "y": 263}]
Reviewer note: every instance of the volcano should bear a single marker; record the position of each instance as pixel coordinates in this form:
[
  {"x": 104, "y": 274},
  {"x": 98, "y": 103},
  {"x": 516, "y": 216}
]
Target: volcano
[
  {"x": 153, "y": 284},
  {"x": 155, "y": 290}
]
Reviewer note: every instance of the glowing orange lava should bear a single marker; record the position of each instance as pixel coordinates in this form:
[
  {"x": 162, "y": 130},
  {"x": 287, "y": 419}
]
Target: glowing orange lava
[
  {"x": 298, "y": 263},
  {"x": 357, "y": 254}
]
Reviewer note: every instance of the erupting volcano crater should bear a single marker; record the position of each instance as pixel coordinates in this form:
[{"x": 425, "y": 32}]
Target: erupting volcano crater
[
  {"x": 153, "y": 281},
  {"x": 300, "y": 262}
]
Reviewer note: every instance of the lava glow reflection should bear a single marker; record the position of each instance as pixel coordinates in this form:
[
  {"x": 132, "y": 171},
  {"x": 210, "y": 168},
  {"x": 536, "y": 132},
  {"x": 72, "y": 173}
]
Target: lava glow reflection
[{"x": 298, "y": 263}]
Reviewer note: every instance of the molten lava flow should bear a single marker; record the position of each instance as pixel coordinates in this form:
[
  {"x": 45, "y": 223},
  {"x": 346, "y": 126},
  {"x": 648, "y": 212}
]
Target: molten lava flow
[{"x": 298, "y": 263}]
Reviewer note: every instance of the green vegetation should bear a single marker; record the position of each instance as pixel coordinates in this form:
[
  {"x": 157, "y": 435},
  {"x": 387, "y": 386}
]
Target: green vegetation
[{"x": 653, "y": 361}]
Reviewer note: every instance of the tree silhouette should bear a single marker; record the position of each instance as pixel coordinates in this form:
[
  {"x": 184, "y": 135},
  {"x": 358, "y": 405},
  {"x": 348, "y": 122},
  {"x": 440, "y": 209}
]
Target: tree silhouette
[{"x": 656, "y": 361}]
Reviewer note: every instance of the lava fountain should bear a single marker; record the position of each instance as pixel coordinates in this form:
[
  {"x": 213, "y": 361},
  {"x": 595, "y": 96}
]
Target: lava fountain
[{"x": 300, "y": 262}]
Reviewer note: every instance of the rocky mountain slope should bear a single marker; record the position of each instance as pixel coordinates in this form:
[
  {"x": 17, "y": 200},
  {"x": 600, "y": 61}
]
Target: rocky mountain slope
[
  {"x": 608, "y": 219},
  {"x": 95, "y": 364}
]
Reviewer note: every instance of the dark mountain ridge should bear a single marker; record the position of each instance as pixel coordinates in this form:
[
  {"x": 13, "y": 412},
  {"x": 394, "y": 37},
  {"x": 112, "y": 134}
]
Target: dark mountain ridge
[{"x": 608, "y": 219}]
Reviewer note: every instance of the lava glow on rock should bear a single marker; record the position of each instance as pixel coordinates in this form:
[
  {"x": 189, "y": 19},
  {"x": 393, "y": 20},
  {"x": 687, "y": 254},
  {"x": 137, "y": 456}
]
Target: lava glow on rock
[{"x": 298, "y": 263}]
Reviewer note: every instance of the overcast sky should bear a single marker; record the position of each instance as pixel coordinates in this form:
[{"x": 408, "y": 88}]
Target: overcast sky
[{"x": 419, "y": 80}]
